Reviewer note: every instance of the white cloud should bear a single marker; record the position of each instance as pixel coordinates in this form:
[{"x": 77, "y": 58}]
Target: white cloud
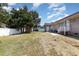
[
  {"x": 58, "y": 18},
  {"x": 40, "y": 16},
  {"x": 7, "y": 8},
  {"x": 17, "y": 8},
  {"x": 65, "y": 15},
  {"x": 52, "y": 15},
  {"x": 48, "y": 13},
  {"x": 57, "y": 10},
  {"x": 54, "y": 5},
  {"x": 60, "y": 9},
  {"x": 11, "y": 4},
  {"x": 36, "y": 5}
]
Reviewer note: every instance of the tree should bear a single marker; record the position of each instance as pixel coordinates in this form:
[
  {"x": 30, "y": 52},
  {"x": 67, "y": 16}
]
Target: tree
[
  {"x": 23, "y": 19},
  {"x": 3, "y": 14},
  {"x": 1, "y": 7},
  {"x": 36, "y": 19},
  {"x": 3, "y": 4}
]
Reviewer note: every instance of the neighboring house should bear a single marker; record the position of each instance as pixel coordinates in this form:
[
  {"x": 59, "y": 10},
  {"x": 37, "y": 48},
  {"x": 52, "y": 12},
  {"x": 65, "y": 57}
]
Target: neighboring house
[
  {"x": 47, "y": 27},
  {"x": 41, "y": 29},
  {"x": 67, "y": 25}
]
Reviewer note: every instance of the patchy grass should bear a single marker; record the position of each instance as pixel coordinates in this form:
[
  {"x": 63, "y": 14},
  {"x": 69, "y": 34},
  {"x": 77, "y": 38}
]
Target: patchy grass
[
  {"x": 24, "y": 44},
  {"x": 38, "y": 44}
]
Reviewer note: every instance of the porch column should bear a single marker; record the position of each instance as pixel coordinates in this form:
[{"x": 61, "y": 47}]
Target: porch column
[{"x": 65, "y": 27}]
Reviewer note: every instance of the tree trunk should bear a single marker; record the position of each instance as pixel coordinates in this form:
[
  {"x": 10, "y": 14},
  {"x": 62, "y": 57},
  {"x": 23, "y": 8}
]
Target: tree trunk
[
  {"x": 28, "y": 29},
  {"x": 21, "y": 30}
]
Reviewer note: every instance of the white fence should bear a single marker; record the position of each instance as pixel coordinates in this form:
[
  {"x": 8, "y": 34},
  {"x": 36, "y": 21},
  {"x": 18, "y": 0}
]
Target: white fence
[{"x": 8, "y": 31}]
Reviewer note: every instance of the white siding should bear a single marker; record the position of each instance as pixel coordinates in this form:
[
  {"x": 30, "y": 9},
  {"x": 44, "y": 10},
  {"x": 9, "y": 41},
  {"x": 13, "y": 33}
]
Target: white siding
[
  {"x": 61, "y": 27},
  {"x": 8, "y": 31},
  {"x": 47, "y": 28},
  {"x": 75, "y": 26},
  {"x": 65, "y": 26}
]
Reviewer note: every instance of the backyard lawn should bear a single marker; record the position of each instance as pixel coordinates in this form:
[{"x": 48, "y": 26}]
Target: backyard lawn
[{"x": 38, "y": 44}]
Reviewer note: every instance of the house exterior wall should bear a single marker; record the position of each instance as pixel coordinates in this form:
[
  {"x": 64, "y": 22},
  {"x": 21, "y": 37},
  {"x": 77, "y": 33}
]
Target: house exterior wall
[
  {"x": 67, "y": 25},
  {"x": 8, "y": 31},
  {"x": 61, "y": 27},
  {"x": 52, "y": 28},
  {"x": 64, "y": 26},
  {"x": 55, "y": 27},
  {"x": 47, "y": 28},
  {"x": 75, "y": 26}
]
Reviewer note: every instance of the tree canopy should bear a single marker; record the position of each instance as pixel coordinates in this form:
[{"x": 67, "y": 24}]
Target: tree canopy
[{"x": 20, "y": 19}]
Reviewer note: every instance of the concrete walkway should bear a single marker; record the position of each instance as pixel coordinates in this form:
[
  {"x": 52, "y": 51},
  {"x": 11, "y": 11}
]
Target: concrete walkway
[{"x": 54, "y": 34}]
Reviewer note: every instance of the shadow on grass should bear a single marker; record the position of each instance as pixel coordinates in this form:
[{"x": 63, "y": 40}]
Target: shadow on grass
[
  {"x": 72, "y": 36},
  {"x": 20, "y": 33},
  {"x": 25, "y": 33}
]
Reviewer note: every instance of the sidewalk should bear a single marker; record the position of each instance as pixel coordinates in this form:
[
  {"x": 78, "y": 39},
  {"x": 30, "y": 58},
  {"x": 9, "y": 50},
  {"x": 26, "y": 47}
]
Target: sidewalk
[{"x": 54, "y": 34}]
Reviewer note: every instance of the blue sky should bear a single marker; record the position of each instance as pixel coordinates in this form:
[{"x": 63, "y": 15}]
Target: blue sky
[{"x": 49, "y": 12}]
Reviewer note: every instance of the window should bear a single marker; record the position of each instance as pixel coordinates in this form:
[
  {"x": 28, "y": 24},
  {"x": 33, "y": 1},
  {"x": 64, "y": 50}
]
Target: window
[{"x": 62, "y": 24}]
